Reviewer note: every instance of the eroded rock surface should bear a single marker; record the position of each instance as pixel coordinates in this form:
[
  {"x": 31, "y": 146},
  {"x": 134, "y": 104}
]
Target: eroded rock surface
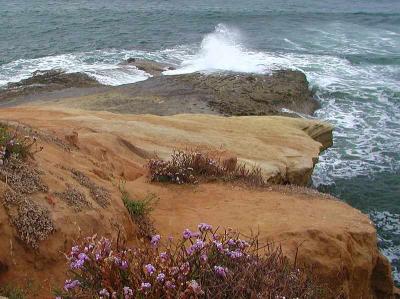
[
  {"x": 337, "y": 241},
  {"x": 45, "y": 81},
  {"x": 229, "y": 94}
]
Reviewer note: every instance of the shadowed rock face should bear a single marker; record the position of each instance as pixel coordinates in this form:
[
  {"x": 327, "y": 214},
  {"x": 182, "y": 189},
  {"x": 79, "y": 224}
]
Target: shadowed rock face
[{"x": 224, "y": 93}]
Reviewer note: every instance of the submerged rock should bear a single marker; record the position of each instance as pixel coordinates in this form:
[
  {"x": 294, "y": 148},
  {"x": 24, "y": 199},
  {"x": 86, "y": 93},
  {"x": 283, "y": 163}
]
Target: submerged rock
[{"x": 151, "y": 67}]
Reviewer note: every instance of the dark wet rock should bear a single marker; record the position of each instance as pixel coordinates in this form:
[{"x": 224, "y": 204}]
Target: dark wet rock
[
  {"x": 226, "y": 94},
  {"x": 48, "y": 80},
  {"x": 151, "y": 67},
  {"x": 284, "y": 92}
]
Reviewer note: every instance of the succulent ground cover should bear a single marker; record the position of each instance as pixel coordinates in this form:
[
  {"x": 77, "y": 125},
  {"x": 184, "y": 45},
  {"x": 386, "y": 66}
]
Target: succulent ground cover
[
  {"x": 99, "y": 194},
  {"x": 31, "y": 221}
]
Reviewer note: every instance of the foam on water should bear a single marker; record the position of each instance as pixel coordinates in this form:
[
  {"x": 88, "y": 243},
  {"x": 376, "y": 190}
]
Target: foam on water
[
  {"x": 102, "y": 65},
  {"x": 222, "y": 50}
]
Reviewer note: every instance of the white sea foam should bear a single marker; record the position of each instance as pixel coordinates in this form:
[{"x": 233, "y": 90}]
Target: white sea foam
[
  {"x": 102, "y": 65},
  {"x": 389, "y": 224},
  {"x": 222, "y": 50}
]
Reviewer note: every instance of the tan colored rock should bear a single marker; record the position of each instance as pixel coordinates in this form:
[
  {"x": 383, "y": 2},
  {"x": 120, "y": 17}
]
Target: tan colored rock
[
  {"x": 73, "y": 139},
  {"x": 285, "y": 148},
  {"x": 339, "y": 242}
]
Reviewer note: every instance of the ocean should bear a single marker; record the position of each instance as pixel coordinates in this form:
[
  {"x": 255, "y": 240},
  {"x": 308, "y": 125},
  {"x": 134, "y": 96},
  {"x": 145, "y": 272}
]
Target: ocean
[{"x": 349, "y": 50}]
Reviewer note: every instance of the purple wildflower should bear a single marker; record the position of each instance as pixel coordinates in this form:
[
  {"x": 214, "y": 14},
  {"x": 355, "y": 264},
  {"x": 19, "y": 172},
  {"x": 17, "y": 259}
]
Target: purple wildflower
[
  {"x": 204, "y": 258},
  {"x": 195, "y": 287},
  {"x": 235, "y": 254},
  {"x": 124, "y": 265},
  {"x": 219, "y": 245},
  {"x": 150, "y": 269},
  {"x": 221, "y": 271},
  {"x": 128, "y": 292},
  {"x": 163, "y": 256},
  {"x": 160, "y": 277},
  {"x": 187, "y": 234},
  {"x": 75, "y": 250},
  {"x": 203, "y": 227},
  {"x": 185, "y": 268},
  {"x": 174, "y": 270},
  {"x": 155, "y": 240},
  {"x": 77, "y": 264},
  {"x": 71, "y": 284},
  {"x": 104, "y": 293},
  {"x": 170, "y": 285},
  {"x": 83, "y": 256},
  {"x": 145, "y": 286},
  {"x": 231, "y": 242},
  {"x": 198, "y": 245},
  {"x": 243, "y": 244}
]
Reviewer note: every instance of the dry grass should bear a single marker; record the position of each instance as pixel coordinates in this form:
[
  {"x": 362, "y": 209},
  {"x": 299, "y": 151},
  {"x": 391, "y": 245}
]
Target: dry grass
[
  {"x": 74, "y": 198},
  {"x": 101, "y": 195},
  {"x": 190, "y": 167},
  {"x": 32, "y": 221}
]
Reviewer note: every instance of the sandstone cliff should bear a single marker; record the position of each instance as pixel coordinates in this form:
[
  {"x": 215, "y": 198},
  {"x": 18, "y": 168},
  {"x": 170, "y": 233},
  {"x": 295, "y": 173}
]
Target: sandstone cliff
[{"x": 101, "y": 148}]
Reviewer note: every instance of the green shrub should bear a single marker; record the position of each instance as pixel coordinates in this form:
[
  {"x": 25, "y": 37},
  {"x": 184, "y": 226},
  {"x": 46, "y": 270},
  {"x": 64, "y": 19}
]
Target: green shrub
[
  {"x": 139, "y": 207},
  {"x": 139, "y": 210}
]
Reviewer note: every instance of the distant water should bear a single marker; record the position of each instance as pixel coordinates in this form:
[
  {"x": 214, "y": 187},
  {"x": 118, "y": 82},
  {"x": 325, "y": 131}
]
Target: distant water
[{"x": 349, "y": 50}]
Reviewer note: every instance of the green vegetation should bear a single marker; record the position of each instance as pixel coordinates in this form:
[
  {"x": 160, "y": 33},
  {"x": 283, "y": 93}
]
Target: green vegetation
[
  {"x": 140, "y": 207},
  {"x": 12, "y": 292},
  {"x": 139, "y": 210}
]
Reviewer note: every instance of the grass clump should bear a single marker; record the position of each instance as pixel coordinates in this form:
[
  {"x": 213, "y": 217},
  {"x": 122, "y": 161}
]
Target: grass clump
[
  {"x": 200, "y": 264},
  {"x": 140, "y": 210},
  {"x": 189, "y": 167},
  {"x": 12, "y": 292}
]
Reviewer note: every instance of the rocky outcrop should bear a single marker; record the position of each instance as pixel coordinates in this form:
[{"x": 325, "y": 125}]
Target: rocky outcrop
[
  {"x": 45, "y": 81},
  {"x": 151, "y": 67},
  {"x": 286, "y": 149},
  {"x": 335, "y": 240},
  {"x": 228, "y": 94}
]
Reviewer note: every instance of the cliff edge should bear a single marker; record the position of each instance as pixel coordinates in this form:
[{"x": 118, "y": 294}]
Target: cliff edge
[{"x": 71, "y": 189}]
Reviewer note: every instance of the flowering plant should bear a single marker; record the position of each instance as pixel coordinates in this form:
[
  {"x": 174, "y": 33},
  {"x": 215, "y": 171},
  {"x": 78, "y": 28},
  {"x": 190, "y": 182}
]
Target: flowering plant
[
  {"x": 200, "y": 264},
  {"x": 189, "y": 167},
  {"x": 13, "y": 144}
]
